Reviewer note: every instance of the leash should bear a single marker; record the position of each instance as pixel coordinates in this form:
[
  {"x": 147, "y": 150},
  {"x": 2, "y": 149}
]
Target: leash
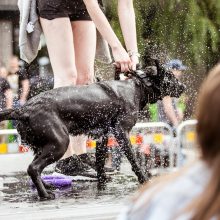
[{"x": 142, "y": 75}]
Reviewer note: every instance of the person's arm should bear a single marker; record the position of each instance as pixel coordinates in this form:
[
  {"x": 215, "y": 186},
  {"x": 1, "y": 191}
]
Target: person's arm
[
  {"x": 25, "y": 91},
  {"x": 170, "y": 113},
  {"x": 128, "y": 25},
  {"x": 119, "y": 53},
  {"x": 9, "y": 98}
]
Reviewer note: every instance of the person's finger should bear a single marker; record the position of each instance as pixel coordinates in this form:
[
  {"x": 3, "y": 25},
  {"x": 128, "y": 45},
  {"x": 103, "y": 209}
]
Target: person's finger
[
  {"x": 123, "y": 68},
  {"x": 127, "y": 69},
  {"x": 133, "y": 66},
  {"x": 117, "y": 65}
]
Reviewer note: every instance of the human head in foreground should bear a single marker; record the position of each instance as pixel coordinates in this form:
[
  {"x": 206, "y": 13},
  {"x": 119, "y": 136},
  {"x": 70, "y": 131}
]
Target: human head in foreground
[{"x": 194, "y": 192}]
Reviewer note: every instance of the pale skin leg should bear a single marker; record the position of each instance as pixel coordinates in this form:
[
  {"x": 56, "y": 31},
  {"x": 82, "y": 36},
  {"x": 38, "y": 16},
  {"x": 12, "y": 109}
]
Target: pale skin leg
[
  {"x": 71, "y": 69},
  {"x": 59, "y": 38},
  {"x": 84, "y": 33}
]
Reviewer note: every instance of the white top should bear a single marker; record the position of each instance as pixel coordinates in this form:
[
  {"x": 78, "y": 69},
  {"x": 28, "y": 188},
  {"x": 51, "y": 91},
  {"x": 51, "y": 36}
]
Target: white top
[{"x": 167, "y": 201}]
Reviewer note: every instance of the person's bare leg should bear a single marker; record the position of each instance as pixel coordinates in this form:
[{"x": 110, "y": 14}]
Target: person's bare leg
[
  {"x": 59, "y": 38},
  {"x": 85, "y": 46}
]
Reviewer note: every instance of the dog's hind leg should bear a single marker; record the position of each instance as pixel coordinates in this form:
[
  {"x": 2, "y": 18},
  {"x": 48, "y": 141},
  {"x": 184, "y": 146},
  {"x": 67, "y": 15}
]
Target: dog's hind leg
[
  {"x": 124, "y": 142},
  {"x": 101, "y": 151},
  {"x": 46, "y": 185},
  {"x": 50, "y": 153}
]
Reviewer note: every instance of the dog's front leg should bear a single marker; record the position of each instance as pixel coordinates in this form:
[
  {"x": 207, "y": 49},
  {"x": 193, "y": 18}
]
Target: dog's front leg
[
  {"x": 101, "y": 151},
  {"x": 124, "y": 142}
]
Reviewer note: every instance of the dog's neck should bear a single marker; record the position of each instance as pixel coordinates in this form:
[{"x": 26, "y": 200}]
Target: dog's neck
[{"x": 142, "y": 93}]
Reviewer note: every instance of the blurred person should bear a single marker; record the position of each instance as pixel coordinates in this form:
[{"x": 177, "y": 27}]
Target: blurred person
[
  {"x": 3, "y": 72},
  {"x": 69, "y": 29},
  {"x": 193, "y": 192},
  {"x": 168, "y": 110},
  {"x": 18, "y": 81},
  {"x": 6, "y": 98},
  {"x": 39, "y": 82}
]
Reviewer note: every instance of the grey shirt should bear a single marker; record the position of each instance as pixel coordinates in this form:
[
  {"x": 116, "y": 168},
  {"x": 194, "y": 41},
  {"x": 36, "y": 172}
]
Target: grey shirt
[{"x": 162, "y": 116}]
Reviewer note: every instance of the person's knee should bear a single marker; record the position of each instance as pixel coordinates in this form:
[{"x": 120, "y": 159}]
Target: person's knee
[
  {"x": 85, "y": 76},
  {"x": 67, "y": 77}
]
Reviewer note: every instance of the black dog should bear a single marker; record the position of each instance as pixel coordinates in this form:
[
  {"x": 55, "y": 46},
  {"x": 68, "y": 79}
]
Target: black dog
[{"x": 46, "y": 120}]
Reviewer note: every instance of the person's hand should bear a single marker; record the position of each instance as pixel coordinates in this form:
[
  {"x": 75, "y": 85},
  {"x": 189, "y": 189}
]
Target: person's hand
[
  {"x": 122, "y": 59},
  {"x": 134, "y": 61}
]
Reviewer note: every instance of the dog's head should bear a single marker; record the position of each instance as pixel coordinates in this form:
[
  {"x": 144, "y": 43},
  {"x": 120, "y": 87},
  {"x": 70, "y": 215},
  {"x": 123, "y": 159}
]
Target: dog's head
[{"x": 158, "y": 82}]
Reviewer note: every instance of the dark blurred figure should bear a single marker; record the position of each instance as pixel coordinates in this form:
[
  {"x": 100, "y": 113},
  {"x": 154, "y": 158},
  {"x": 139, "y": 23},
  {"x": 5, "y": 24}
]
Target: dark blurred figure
[
  {"x": 6, "y": 98},
  {"x": 168, "y": 110},
  {"x": 39, "y": 77}
]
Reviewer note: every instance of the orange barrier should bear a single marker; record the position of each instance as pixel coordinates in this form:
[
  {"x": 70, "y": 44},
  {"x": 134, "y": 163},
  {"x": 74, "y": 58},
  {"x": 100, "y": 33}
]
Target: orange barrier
[
  {"x": 112, "y": 142},
  {"x": 91, "y": 144},
  {"x": 3, "y": 148},
  {"x": 23, "y": 149},
  {"x": 139, "y": 139}
]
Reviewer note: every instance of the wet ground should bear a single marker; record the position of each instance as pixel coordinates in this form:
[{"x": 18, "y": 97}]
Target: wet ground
[{"x": 81, "y": 201}]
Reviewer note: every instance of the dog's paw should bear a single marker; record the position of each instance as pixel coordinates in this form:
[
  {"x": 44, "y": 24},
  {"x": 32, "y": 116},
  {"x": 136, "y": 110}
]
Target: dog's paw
[
  {"x": 101, "y": 186},
  {"x": 108, "y": 179},
  {"x": 143, "y": 179},
  {"x": 102, "y": 179},
  {"x": 49, "y": 196}
]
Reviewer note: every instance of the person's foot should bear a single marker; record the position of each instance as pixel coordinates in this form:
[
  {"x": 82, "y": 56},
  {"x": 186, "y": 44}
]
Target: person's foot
[
  {"x": 74, "y": 168},
  {"x": 88, "y": 159}
]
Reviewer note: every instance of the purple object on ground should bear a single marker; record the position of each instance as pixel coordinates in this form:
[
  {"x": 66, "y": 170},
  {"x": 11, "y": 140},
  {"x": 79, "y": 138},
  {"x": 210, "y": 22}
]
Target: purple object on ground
[{"x": 57, "y": 181}]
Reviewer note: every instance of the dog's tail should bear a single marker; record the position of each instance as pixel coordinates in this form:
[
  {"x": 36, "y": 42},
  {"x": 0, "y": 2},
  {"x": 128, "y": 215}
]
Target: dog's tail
[{"x": 9, "y": 114}]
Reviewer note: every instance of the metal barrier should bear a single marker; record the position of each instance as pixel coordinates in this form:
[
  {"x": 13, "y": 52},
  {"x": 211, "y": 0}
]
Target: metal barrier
[
  {"x": 10, "y": 147},
  {"x": 157, "y": 141},
  {"x": 186, "y": 141},
  {"x": 146, "y": 138}
]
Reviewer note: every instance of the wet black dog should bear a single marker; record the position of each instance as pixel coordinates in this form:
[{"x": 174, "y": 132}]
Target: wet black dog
[{"x": 46, "y": 120}]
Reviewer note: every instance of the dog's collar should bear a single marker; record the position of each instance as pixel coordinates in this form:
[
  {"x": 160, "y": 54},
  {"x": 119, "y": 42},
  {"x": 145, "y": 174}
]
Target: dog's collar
[{"x": 145, "y": 76}]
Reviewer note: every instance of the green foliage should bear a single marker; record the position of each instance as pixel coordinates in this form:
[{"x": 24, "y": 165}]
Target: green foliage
[
  {"x": 189, "y": 29},
  {"x": 153, "y": 112}
]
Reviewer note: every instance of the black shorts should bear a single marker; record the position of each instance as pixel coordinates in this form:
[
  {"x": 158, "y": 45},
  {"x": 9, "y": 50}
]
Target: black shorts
[{"x": 74, "y": 9}]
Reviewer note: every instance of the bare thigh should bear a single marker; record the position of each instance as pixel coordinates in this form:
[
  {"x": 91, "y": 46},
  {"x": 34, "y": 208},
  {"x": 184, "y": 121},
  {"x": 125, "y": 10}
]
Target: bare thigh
[
  {"x": 59, "y": 37},
  {"x": 84, "y": 33}
]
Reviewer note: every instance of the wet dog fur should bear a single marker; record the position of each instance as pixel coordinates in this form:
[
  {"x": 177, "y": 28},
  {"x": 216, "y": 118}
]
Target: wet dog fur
[{"x": 46, "y": 121}]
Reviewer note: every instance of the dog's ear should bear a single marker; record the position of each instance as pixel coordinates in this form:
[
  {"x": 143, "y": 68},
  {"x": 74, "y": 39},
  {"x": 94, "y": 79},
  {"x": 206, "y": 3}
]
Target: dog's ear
[
  {"x": 151, "y": 71},
  {"x": 160, "y": 68},
  {"x": 138, "y": 66}
]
